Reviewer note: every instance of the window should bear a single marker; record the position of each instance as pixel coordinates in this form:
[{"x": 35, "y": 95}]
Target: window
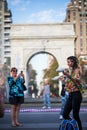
[
  {"x": 80, "y": 14},
  {"x": 86, "y": 14},
  {"x": 0, "y": 19},
  {"x": 81, "y": 20},
  {"x": 74, "y": 15},
  {"x": 6, "y": 47},
  {"x": 85, "y": 3},
  {"x": 81, "y": 43},
  {"x": 0, "y": 42},
  {"x": 0, "y": 30},
  {"x": 79, "y": 1},
  {"x": 81, "y": 49},
  {"x": 86, "y": 28},
  {"x": 0, "y": 36},
  {"x": 81, "y": 29},
  {"x": 0, "y": 52},
  {"x": 6, "y": 35},
  {"x": 79, "y": 7},
  {"x": 0, "y": 6},
  {"x": 7, "y": 52},
  {"x": 75, "y": 27},
  {"x": 74, "y": 2},
  {"x": 0, "y": 13},
  {"x": 7, "y": 29}
]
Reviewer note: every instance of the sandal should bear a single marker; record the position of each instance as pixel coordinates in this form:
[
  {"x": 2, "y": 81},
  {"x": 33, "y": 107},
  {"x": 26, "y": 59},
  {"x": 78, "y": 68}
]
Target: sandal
[
  {"x": 13, "y": 125},
  {"x": 19, "y": 124}
]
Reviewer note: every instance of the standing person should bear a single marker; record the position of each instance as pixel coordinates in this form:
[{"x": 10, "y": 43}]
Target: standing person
[
  {"x": 46, "y": 94},
  {"x": 73, "y": 86},
  {"x": 64, "y": 96},
  {"x": 16, "y": 95},
  {"x": 2, "y": 85}
]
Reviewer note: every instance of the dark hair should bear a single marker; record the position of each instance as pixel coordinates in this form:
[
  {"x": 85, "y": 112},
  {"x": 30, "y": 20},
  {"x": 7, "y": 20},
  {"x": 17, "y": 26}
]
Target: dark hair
[
  {"x": 21, "y": 71},
  {"x": 74, "y": 60},
  {"x": 14, "y": 69}
]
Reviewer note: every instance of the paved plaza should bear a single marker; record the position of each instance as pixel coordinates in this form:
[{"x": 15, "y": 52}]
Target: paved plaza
[
  {"x": 33, "y": 117},
  {"x": 36, "y": 118}
]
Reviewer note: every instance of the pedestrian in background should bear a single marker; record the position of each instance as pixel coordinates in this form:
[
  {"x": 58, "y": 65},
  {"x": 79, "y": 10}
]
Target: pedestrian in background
[
  {"x": 73, "y": 84},
  {"x": 2, "y": 85},
  {"x": 46, "y": 94},
  {"x": 64, "y": 95},
  {"x": 16, "y": 95},
  {"x": 2, "y": 94}
]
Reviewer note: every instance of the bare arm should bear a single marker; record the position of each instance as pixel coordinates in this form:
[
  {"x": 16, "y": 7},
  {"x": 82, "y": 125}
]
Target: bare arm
[{"x": 76, "y": 78}]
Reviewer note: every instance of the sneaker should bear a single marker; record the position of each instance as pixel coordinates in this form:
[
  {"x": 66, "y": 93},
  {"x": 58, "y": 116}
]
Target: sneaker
[
  {"x": 44, "y": 107},
  {"x": 60, "y": 117},
  {"x": 49, "y": 107}
]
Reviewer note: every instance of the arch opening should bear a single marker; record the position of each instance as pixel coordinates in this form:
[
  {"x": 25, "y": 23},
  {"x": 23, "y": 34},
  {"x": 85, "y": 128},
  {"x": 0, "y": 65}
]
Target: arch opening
[{"x": 40, "y": 66}]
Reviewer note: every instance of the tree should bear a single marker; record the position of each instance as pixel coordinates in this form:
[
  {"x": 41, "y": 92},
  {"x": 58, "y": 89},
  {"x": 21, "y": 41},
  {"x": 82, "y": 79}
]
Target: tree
[{"x": 50, "y": 73}]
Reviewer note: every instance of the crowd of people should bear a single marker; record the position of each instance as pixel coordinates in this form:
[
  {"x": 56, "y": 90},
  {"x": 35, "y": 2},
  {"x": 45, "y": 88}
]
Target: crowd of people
[{"x": 71, "y": 96}]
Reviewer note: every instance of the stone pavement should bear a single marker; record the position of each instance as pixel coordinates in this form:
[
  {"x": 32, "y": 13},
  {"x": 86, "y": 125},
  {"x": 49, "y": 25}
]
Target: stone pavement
[{"x": 36, "y": 118}]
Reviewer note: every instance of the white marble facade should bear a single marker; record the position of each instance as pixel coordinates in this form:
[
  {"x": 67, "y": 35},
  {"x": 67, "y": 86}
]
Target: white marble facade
[{"x": 29, "y": 39}]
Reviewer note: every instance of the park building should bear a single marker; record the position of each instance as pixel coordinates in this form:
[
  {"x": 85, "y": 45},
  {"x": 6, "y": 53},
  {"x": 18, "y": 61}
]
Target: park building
[
  {"x": 76, "y": 12},
  {"x": 5, "y": 25}
]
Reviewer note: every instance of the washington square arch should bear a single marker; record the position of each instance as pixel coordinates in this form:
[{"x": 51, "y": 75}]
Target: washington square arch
[{"x": 27, "y": 40}]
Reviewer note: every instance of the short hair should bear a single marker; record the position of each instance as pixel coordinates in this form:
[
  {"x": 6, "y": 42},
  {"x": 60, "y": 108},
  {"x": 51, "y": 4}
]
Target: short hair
[{"x": 14, "y": 69}]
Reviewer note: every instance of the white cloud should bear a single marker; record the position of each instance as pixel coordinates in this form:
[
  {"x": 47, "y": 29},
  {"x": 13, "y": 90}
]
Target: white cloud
[
  {"x": 19, "y": 2},
  {"x": 47, "y": 16},
  {"x": 14, "y": 2},
  {"x": 22, "y": 7}
]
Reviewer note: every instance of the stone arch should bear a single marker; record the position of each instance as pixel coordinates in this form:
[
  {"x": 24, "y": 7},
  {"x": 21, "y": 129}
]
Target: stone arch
[
  {"x": 28, "y": 39},
  {"x": 36, "y": 53},
  {"x": 30, "y": 78},
  {"x": 39, "y": 52}
]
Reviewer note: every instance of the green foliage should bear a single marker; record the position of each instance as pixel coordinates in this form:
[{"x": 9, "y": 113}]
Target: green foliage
[
  {"x": 50, "y": 73},
  {"x": 33, "y": 74}
]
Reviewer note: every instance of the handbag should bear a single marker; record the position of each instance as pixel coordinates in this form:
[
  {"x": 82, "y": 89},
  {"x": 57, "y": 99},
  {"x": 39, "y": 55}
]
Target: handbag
[{"x": 24, "y": 87}]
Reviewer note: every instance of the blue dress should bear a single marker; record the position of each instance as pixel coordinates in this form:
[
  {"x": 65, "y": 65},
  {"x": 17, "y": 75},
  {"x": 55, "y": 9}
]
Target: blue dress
[{"x": 16, "y": 91}]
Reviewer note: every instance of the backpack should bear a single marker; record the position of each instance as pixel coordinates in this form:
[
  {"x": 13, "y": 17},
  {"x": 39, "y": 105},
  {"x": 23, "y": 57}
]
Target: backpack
[{"x": 69, "y": 125}]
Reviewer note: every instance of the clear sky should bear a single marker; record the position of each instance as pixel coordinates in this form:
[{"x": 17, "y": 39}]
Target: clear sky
[
  {"x": 38, "y": 11},
  {"x": 39, "y": 63},
  {"x": 34, "y": 11}
]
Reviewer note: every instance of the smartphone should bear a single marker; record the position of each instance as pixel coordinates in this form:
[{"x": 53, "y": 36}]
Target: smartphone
[{"x": 21, "y": 72}]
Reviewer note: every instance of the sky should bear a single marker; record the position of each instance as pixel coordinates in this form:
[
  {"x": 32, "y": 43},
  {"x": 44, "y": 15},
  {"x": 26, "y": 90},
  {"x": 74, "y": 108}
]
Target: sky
[
  {"x": 39, "y": 62},
  {"x": 38, "y": 11}
]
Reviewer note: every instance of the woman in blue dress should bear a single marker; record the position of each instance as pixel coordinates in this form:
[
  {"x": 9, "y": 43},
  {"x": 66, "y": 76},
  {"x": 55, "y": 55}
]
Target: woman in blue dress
[{"x": 16, "y": 95}]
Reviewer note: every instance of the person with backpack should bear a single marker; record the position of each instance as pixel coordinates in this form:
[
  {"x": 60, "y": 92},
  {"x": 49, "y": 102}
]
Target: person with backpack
[
  {"x": 73, "y": 85},
  {"x": 64, "y": 96}
]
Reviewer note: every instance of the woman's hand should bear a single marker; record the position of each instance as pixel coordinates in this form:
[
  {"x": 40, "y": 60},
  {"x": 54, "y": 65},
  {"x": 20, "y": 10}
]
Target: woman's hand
[{"x": 65, "y": 72}]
